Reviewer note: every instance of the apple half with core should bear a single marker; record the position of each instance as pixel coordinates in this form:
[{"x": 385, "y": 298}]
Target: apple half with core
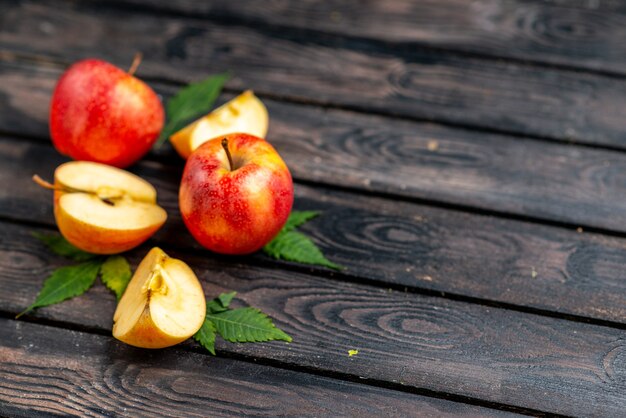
[
  {"x": 163, "y": 304},
  {"x": 104, "y": 114},
  {"x": 102, "y": 209},
  {"x": 236, "y": 194},
  {"x": 245, "y": 113}
]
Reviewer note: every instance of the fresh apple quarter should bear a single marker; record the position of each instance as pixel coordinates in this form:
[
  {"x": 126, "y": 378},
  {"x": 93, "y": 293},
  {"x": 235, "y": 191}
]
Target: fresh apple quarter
[
  {"x": 104, "y": 210},
  {"x": 163, "y": 304},
  {"x": 245, "y": 113}
]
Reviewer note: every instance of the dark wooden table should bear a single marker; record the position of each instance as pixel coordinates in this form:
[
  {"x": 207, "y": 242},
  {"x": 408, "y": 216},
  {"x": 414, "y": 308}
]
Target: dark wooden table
[{"x": 468, "y": 157}]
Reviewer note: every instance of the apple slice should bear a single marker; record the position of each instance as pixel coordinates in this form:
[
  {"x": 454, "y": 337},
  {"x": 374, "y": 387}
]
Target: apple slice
[
  {"x": 163, "y": 304},
  {"x": 102, "y": 209},
  {"x": 245, "y": 114}
]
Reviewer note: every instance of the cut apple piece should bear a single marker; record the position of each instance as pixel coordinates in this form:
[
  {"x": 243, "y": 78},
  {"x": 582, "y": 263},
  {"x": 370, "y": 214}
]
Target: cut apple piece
[
  {"x": 163, "y": 304},
  {"x": 245, "y": 114},
  {"x": 104, "y": 210}
]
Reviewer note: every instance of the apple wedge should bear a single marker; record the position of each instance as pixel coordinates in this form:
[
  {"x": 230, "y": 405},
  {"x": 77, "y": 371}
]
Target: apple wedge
[
  {"x": 163, "y": 304},
  {"x": 245, "y": 114},
  {"x": 102, "y": 209}
]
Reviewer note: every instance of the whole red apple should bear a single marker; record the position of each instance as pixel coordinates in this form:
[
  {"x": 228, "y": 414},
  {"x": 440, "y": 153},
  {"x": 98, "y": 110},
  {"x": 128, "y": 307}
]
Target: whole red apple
[
  {"x": 101, "y": 113},
  {"x": 236, "y": 194}
]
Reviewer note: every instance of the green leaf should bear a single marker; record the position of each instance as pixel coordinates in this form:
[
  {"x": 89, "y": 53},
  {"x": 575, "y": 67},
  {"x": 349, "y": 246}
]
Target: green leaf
[
  {"x": 206, "y": 336},
  {"x": 297, "y": 247},
  {"x": 65, "y": 283},
  {"x": 226, "y": 298},
  {"x": 220, "y": 303},
  {"x": 297, "y": 218},
  {"x": 214, "y": 306},
  {"x": 115, "y": 273},
  {"x": 245, "y": 325},
  {"x": 59, "y": 245},
  {"x": 191, "y": 102}
]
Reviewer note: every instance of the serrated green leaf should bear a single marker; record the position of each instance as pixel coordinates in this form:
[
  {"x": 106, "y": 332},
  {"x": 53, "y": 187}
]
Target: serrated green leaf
[
  {"x": 297, "y": 247},
  {"x": 206, "y": 336},
  {"x": 297, "y": 218},
  {"x": 59, "y": 245},
  {"x": 226, "y": 298},
  {"x": 115, "y": 274},
  {"x": 214, "y": 306},
  {"x": 65, "y": 283},
  {"x": 220, "y": 303},
  {"x": 245, "y": 325},
  {"x": 191, "y": 102}
]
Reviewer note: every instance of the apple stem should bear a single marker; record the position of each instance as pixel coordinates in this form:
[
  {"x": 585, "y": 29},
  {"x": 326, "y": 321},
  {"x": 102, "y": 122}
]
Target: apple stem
[
  {"x": 136, "y": 61},
  {"x": 47, "y": 185},
  {"x": 230, "y": 158}
]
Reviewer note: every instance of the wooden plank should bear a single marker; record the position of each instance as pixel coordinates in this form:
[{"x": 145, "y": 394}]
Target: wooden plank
[
  {"x": 411, "y": 83},
  {"x": 45, "y": 370},
  {"x": 423, "y": 343},
  {"x": 417, "y": 160},
  {"x": 581, "y": 34},
  {"x": 395, "y": 244}
]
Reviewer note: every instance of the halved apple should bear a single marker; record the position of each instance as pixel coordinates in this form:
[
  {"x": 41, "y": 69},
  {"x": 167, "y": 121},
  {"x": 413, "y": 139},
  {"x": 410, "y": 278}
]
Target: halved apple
[
  {"x": 245, "y": 114},
  {"x": 163, "y": 304},
  {"x": 102, "y": 209}
]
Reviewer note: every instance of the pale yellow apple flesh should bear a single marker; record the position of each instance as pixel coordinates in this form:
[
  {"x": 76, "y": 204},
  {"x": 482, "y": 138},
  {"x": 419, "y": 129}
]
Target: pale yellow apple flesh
[
  {"x": 163, "y": 304},
  {"x": 245, "y": 113},
  {"x": 104, "y": 210}
]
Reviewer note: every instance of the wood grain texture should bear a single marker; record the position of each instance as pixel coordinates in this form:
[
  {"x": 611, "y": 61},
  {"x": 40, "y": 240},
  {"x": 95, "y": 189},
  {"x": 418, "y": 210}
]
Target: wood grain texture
[
  {"x": 46, "y": 371},
  {"x": 412, "y": 83},
  {"x": 549, "y": 181},
  {"x": 424, "y": 343},
  {"x": 584, "y": 34},
  {"x": 400, "y": 244}
]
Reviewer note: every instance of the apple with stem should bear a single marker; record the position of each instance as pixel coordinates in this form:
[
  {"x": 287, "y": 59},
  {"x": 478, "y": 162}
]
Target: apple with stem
[
  {"x": 245, "y": 113},
  {"x": 163, "y": 304},
  {"x": 102, "y": 209},
  {"x": 101, "y": 113},
  {"x": 236, "y": 194}
]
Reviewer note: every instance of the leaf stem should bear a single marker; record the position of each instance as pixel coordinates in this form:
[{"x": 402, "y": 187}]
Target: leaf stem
[
  {"x": 23, "y": 312},
  {"x": 135, "y": 64},
  {"x": 230, "y": 158}
]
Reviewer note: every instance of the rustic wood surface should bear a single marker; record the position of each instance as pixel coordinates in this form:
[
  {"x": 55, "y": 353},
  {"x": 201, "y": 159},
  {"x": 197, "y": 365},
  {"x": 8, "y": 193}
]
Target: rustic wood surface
[
  {"x": 107, "y": 377},
  {"x": 498, "y": 95},
  {"x": 402, "y": 245},
  {"x": 416, "y": 161},
  {"x": 576, "y": 33},
  {"x": 468, "y": 158},
  {"x": 411, "y": 340}
]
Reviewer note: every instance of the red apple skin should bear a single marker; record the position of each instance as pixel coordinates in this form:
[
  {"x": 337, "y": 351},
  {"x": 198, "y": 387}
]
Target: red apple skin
[
  {"x": 103, "y": 114},
  {"x": 238, "y": 211}
]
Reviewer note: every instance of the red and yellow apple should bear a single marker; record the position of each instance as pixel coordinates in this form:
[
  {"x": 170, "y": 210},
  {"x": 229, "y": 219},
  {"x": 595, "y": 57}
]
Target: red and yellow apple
[
  {"x": 236, "y": 194},
  {"x": 245, "y": 113},
  {"x": 102, "y": 209},
  {"x": 101, "y": 113},
  {"x": 163, "y": 304}
]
